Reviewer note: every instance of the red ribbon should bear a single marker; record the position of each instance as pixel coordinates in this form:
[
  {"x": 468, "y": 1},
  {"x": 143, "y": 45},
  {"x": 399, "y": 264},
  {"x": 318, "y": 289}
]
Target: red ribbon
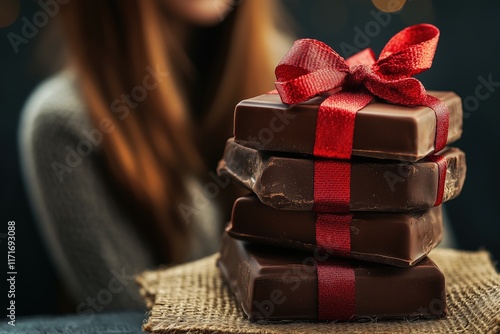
[
  {"x": 312, "y": 68},
  {"x": 336, "y": 291},
  {"x": 332, "y": 186},
  {"x": 336, "y": 282},
  {"x": 333, "y": 233},
  {"x": 442, "y": 165}
]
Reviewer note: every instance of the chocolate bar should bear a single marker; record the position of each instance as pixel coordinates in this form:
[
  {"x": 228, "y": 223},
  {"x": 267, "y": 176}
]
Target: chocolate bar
[
  {"x": 285, "y": 182},
  {"x": 381, "y": 130},
  {"x": 400, "y": 239},
  {"x": 282, "y": 284}
]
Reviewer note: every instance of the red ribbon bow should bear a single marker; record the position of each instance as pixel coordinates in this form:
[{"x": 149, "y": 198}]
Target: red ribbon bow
[{"x": 312, "y": 68}]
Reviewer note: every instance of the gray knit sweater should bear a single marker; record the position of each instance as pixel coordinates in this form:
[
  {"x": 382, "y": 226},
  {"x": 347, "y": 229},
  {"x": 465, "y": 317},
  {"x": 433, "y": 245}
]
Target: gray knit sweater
[{"x": 94, "y": 245}]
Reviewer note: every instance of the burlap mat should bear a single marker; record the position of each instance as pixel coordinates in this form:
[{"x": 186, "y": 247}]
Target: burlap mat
[{"x": 194, "y": 298}]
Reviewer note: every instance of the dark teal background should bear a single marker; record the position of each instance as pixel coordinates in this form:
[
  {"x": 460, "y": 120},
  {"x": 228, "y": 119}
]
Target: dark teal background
[{"x": 469, "y": 47}]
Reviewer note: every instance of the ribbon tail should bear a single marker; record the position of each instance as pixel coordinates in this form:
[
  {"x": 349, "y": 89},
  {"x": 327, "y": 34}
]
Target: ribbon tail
[{"x": 442, "y": 121}]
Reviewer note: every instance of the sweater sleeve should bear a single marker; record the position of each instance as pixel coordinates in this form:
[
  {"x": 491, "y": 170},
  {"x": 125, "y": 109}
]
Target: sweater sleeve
[{"x": 94, "y": 245}]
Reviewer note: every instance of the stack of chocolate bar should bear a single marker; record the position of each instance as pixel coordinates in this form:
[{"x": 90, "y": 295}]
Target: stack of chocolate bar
[
  {"x": 328, "y": 239},
  {"x": 348, "y": 166}
]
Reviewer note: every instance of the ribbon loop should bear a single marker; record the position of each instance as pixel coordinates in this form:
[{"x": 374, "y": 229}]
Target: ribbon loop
[
  {"x": 310, "y": 68},
  {"x": 309, "y": 55},
  {"x": 308, "y": 85},
  {"x": 409, "y": 52}
]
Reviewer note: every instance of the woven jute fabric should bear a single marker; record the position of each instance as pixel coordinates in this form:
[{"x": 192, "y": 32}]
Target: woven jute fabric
[{"x": 194, "y": 298}]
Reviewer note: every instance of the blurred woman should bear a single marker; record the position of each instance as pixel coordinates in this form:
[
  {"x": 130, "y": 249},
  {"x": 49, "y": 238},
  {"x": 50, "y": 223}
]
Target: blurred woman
[{"x": 118, "y": 147}]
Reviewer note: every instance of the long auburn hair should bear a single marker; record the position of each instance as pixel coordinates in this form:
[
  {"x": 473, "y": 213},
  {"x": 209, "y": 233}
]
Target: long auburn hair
[{"x": 180, "y": 128}]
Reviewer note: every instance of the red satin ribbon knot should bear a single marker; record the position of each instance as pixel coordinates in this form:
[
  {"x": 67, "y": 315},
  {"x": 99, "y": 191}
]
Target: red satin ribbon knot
[{"x": 312, "y": 68}]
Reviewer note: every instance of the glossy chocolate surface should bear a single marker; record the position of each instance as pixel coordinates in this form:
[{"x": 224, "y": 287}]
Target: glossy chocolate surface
[
  {"x": 381, "y": 130},
  {"x": 400, "y": 239},
  {"x": 277, "y": 284},
  {"x": 285, "y": 182}
]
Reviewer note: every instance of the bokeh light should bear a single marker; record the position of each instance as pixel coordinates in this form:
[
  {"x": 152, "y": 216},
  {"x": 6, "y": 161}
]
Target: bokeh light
[{"x": 389, "y": 6}]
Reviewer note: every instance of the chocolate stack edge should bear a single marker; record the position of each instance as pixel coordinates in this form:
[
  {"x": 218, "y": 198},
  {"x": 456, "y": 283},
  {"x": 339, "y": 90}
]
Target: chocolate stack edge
[
  {"x": 285, "y": 182},
  {"x": 273, "y": 284},
  {"x": 265, "y": 123},
  {"x": 400, "y": 239}
]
